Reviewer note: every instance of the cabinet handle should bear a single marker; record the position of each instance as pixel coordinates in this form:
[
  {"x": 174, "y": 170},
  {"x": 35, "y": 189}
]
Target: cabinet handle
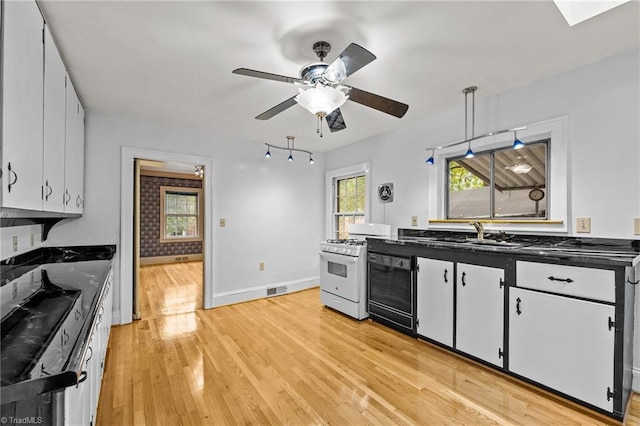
[
  {"x": 567, "y": 280},
  {"x": 446, "y": 280},
  {"x": 518, "y": 311},
  {"x": 15, "y": 177},
  {"x": 67, "y": 197},
  {"x": 78, "y": 201},
  {"x": 49, "y": 192},
  {"x": 82, "y": 378},
  {"x": 65, "y": 338},
  {"x": 463, "y": 275}
]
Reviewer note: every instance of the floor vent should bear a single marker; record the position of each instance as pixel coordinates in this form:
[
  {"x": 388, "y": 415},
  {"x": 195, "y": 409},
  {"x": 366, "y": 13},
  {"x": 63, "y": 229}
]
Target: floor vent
[{"x": 276, "y": 290}]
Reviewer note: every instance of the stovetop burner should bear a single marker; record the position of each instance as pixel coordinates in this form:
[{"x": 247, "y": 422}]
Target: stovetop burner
[{"x": 348, "y": 242}]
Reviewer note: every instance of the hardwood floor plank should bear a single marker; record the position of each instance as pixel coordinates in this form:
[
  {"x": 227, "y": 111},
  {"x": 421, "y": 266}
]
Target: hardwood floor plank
[{"x": 289, "y": 360}]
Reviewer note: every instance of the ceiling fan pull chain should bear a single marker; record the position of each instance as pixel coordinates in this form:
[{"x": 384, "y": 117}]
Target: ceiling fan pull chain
[{"x": 319, "y": 126}]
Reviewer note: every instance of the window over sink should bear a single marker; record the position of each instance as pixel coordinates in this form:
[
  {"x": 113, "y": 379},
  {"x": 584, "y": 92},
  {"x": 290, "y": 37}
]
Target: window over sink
[
  {"x": 501, "y": 183},
  {"x": 489, "y": 185}
]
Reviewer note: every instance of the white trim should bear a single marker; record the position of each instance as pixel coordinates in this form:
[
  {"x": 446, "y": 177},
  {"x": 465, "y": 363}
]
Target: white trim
[
  {"x": 556, "y": 130},
  {"x": 635, "y": 384},
  {"x": 260, "y": 292},
  {"x": 128, "y": 155},
  {"x": 346, "y": 172}
]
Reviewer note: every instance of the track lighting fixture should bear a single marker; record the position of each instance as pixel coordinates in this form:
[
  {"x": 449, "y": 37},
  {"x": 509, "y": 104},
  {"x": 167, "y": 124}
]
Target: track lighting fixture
[
  {"x": 430, "y": 161},
  {"x": 517, "y": 143},
  {"x": 290, "y": 147}
]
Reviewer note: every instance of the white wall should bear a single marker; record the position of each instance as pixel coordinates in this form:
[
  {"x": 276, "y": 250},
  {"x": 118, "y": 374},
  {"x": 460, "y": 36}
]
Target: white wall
[
  {"x": 273, "y": 208},
  {"x": 602, "y": 104}
]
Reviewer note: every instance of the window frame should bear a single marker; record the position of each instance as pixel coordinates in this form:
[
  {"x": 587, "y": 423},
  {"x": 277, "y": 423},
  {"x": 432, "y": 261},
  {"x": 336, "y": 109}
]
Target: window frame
[
  {"x": 557, "y": 172},
  {"x": 332, "y": 176},
  {"x": 163, "y": 215},
  {"x": 492, "y": 202}
]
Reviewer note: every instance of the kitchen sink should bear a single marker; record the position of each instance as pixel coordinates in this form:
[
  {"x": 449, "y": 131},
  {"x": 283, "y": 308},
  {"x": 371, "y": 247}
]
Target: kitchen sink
[{"x": 492, "y": 243}]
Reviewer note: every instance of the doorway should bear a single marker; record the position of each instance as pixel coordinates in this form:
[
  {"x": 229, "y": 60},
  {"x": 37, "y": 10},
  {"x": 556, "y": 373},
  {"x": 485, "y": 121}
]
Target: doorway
[
  {"x": 129, "y": 262},
  {"x": 168, "y": 238}
]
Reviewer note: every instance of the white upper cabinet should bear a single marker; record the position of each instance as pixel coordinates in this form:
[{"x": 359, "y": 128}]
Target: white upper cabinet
[
  {"x": 22, "y": 105},
  {"x": 74, "y": 153},
  {"x": 42, "y": 118},
  {"x": 54, "y": 126}
]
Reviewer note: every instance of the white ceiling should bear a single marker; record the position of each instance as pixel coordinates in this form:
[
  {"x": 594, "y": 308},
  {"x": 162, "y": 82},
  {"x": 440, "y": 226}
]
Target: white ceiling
[{"x": 171, "y": 61}]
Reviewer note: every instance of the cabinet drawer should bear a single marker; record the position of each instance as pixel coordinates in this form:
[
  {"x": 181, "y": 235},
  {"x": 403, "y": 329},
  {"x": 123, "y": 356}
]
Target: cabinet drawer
[{"x": 596, "y": 284}]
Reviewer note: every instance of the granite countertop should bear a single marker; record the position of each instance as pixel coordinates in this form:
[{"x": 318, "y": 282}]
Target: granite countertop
[
  {"x": 593, "y": 251},
  {"x": 48, "y": 299}
]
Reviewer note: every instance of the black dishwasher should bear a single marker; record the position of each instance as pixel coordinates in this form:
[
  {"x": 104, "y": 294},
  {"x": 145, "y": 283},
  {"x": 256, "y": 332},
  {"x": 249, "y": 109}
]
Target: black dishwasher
[{"x": 391, "y": 291}]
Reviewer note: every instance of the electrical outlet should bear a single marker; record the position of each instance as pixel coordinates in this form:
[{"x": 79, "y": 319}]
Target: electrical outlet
[
  {"x": 33, "y": 240},
  {"x": 414, "y": 220},
  {"x": 223, "y": 222},
  {"x": 14, "y": 244},
  {"x": 583, "y": 224},
  {"x": 261, "y": 266},
  {"x": 636, "y": 226}
]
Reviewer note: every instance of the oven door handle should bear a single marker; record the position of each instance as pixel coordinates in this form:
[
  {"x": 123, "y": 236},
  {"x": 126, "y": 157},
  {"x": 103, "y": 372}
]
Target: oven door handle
[{"x": 337, "y": 257}]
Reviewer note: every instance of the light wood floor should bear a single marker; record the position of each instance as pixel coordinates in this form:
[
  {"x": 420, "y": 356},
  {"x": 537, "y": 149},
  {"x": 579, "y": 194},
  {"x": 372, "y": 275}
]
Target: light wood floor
[{"x": 289, "y": 360}]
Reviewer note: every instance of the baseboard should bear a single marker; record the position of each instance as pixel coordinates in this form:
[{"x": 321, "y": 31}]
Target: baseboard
[
  {"x": 253, "y": 293},
  {"x": 157, "y": 260},
  {"x": 636, "y": 380}
]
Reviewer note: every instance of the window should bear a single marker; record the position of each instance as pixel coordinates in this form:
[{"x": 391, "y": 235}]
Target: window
[
  {"x": 499, "y": 184},
  {"x": 349, "y": 203},
  {"x": 180, "y": 214}
]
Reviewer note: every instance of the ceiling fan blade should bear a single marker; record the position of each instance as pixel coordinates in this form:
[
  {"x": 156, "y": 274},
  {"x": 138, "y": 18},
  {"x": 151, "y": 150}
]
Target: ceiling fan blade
[
  {"x": 389, "y": 106},
  {"x": 335, "y": 122},
  {"x": 268, "y": 76},
  {"x": 277, "y": 109},
  {"x": 350, "y": 60}
]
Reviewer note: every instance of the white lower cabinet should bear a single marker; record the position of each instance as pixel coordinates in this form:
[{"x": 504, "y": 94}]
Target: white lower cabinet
[
  {"x": 480, "y": 312},
  {"x": 435, "y": 300},
  {"x": 564, "y": 343},
  {"x": 81, "y": 401}
]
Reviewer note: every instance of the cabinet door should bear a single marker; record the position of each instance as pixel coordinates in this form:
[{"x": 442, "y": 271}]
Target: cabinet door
[
  {"x": 480, "y": 312},
  {"x": 562, "y": 343},
  {"x": 22, "y": 102},
  {"x": 54, "y": 126},
  {"x": 435, "y": 300},
  {"x": 74, "y": 152}
]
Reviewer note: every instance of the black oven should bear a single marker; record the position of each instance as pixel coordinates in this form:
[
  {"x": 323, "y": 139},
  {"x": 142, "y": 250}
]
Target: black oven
[{"x": 391, "y": 290}]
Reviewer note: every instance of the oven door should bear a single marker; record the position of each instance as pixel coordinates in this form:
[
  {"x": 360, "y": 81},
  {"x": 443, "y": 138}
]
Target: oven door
[{"x": 341, "y": 274}]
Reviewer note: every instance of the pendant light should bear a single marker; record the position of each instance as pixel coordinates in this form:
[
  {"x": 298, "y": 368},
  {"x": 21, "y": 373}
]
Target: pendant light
[
  {"x": 517, "y": 143},
  {"x": 290, "y": 147}
]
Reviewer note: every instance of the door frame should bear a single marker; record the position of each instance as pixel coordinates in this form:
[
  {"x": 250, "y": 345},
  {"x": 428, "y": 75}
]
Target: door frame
[{"x": 127, "y": 174}]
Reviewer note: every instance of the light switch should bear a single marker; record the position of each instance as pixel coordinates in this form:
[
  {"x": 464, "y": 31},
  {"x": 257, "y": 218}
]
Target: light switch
[
  {"x": 636, "y": 226},
  {"x": 261, "y": 266},
  {"x": 223, "y": 222},
  {"x": 583, "y": 225},
  {"x": 14, "y": 243}
]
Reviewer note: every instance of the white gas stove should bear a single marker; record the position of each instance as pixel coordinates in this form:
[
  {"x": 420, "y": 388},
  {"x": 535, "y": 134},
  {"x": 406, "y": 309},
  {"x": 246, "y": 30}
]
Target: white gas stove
[{"x": 343, "y": 269}]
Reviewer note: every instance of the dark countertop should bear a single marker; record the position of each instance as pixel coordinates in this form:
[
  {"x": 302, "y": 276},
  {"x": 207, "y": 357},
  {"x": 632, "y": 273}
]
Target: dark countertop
[
  {"x": 590, "y": 251},
  {"x": 49, "y": 299}
]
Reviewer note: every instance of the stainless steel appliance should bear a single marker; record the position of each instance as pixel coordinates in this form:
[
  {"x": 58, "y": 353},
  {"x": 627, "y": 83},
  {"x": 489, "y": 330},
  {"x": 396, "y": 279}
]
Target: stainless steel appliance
[
  {"x": 392, "y": 290},
  {"x": 343, "y": 270}
]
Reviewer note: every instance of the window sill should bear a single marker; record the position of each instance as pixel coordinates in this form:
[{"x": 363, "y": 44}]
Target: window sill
[
  {"x": 500, "y": 221},
  {"x": 179, "y": 240}
]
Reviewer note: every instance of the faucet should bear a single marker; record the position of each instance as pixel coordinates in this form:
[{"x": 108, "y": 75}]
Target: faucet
[{"x": 480, "y": 228}]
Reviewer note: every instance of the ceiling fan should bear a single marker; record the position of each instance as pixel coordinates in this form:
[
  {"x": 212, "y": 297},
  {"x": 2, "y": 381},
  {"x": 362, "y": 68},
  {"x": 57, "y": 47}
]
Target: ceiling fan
[{"x": 323, "y": 93}]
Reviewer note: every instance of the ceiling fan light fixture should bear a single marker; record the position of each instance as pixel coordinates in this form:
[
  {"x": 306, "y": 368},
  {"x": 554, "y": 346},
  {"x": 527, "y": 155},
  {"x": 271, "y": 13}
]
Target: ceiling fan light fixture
[
  {"x": 336, "y": 72},
  {"x": 321, "y": 100}
]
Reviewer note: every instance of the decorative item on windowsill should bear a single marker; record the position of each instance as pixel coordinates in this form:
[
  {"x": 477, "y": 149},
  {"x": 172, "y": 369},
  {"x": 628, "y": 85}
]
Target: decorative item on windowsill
[
  {"x": 199, "y": 171},
  {"x": 517, "y": 143},
  {"x": 290, "y": 147}
]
